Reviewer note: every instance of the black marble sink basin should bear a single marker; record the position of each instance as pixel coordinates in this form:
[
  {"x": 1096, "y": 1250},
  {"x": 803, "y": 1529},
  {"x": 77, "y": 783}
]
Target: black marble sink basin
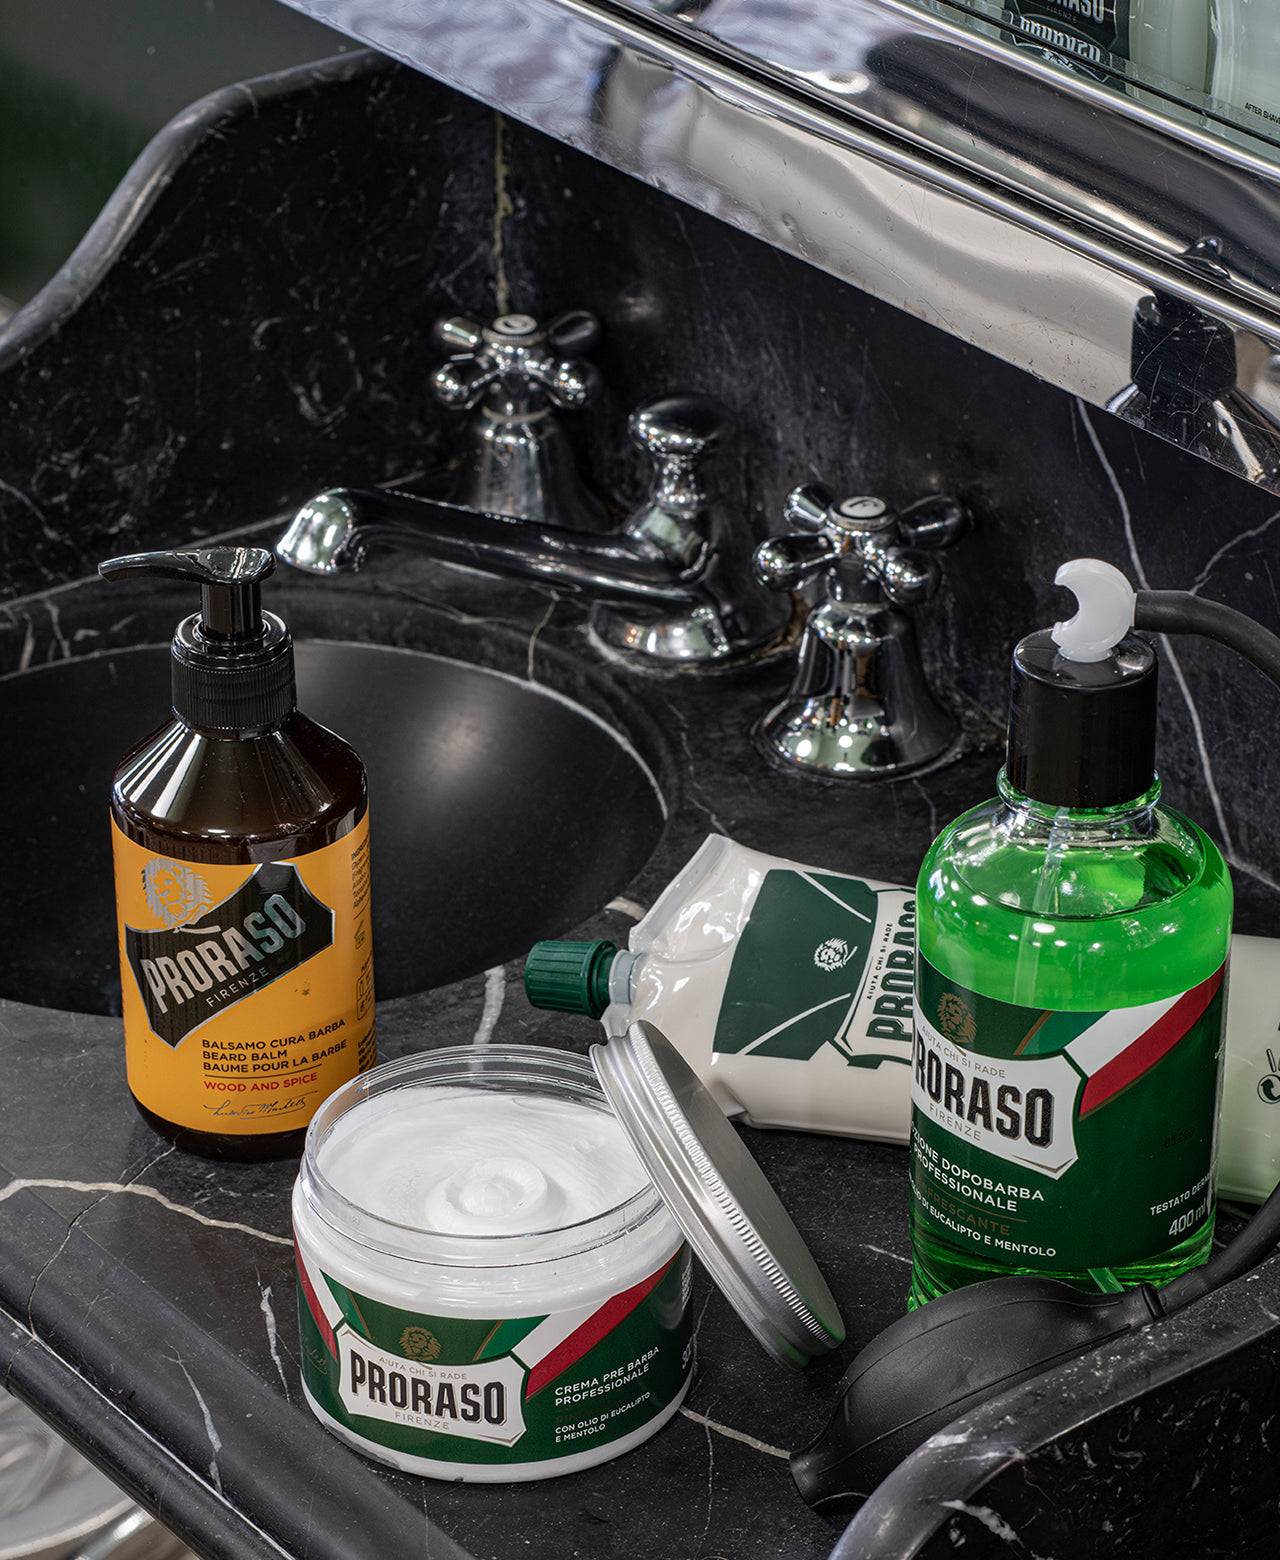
[{"x": 500, "y": 811}]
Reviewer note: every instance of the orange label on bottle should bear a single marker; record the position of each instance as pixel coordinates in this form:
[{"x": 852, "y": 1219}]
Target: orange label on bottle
[{"x": 248, "y": 991}]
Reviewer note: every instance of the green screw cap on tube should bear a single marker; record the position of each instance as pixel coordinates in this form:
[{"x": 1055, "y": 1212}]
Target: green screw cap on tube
[{"x": 570, "y": 977}]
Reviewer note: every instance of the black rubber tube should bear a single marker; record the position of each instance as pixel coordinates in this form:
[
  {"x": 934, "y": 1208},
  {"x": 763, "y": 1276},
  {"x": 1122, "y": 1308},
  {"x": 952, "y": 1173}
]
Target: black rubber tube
[{"x": 1179, "y": 612}]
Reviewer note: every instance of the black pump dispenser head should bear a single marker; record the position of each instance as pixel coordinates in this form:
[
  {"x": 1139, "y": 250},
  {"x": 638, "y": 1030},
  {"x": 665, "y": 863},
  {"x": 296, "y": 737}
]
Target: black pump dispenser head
[
  {"x": 232, "y": 662},
  {"x": 1082, "y": 719}
]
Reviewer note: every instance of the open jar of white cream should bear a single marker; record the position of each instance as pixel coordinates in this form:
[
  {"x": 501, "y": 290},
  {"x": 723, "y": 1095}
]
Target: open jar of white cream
[{"x": 490, "y": 1287}]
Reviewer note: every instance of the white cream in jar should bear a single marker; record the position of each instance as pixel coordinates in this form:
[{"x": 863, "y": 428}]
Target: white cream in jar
[{"x": 490, "y": 1288}]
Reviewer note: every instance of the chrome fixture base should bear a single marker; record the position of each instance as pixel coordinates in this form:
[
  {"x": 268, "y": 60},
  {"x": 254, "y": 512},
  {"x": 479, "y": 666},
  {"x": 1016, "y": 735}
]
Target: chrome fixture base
[
  {"x": 859, "y": 706},
  {"x": 695, "y": 640},
  {"x": 516, "y": 459},
  {"x": 734, "y": 618},
  {"x": 1185, "y": 369},
  {"x": 864, "y": 710}
]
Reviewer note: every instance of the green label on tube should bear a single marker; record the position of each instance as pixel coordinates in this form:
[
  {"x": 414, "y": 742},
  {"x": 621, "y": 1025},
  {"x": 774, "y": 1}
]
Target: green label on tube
[{"x": 823, "y": 960}]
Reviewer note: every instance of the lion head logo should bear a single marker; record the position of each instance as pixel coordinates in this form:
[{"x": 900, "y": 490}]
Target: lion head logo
[
  {"x": 174, "y": 893},
  {"x": 956, "y": 1020},
  {"x": 833, "y": 954},
  {"x": 416, "y": 1343}
]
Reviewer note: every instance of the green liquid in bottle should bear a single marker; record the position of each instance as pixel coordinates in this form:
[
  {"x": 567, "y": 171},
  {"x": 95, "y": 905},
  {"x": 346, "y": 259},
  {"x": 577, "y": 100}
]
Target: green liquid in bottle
[{"x": 1063, "y": 911}]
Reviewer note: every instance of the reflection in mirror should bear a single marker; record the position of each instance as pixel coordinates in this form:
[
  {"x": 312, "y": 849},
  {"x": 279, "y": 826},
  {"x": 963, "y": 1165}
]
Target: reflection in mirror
[
  {"x": 954, "y": 159},
  {"x": 1211, "y": 63},
  {"x": 1186, "y": 383},
  {"x": 84, "y": 85}
]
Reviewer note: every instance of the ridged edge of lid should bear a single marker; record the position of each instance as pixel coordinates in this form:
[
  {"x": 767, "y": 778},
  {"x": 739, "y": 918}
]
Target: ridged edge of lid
[{"x": 718, "y": 1195}]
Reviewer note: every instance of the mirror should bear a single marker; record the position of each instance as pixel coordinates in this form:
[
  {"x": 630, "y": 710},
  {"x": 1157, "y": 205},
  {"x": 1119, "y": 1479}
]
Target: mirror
[
  {"x": 1205, "y": 63},
  {"x": 1110, "y": 224}
]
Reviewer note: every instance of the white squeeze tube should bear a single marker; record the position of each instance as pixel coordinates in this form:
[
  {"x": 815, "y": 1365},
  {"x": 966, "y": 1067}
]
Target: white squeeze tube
[
  {"x": 816, "y": 1032},
  {"x": 788, "y": 989}
]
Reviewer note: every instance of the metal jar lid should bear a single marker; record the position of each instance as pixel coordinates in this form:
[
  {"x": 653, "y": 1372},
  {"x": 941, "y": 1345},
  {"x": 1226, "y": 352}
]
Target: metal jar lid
[{"x": 718, "y": 1195}]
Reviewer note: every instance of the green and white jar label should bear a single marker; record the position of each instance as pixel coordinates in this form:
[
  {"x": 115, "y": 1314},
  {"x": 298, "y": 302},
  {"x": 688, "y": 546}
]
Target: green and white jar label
[
  {"x": 1063, "y": 1140},
  {"x": 454, "y": 1391},
  {"x": 824, "y": 960}
]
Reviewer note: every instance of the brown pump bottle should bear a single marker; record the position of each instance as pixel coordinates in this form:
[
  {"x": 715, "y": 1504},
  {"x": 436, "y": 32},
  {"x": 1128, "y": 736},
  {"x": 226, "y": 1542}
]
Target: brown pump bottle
[{"x": 240, "y": 836}]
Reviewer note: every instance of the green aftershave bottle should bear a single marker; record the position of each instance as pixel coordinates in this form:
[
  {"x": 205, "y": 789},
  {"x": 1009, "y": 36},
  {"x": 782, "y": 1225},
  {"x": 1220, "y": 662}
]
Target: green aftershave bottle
[{"x": 1070, "y": 996}]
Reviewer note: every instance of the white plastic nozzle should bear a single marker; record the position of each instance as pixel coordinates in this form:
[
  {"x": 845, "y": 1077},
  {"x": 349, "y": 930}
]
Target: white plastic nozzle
[{"x": 1104, "y": 613}]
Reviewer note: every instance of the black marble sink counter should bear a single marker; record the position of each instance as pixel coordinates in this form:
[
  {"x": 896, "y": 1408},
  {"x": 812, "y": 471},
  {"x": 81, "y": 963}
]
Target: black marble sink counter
[
  {"x": 249, "y": 322},
  {"x": 148, "y": 1295}
]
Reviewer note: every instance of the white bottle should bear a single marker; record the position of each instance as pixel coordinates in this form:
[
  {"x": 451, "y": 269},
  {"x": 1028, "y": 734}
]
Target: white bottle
[
  {"x": 1246, "y": 69},
  {"x": 1249, "y": 1132}
]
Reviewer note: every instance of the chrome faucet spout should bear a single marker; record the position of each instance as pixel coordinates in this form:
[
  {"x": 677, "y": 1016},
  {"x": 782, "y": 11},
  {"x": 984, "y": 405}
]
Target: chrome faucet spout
[
  {"x": 670, "y": 590},
  {"x": 333, "y": 532}
]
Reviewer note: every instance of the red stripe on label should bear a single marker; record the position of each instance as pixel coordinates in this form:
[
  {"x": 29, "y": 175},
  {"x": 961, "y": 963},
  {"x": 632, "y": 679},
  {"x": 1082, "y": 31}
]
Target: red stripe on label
[
  {"x": 596, "y": 1326},
  {"x": 318, "y": 1316},
  {"x": 1144, "y": 1052}
]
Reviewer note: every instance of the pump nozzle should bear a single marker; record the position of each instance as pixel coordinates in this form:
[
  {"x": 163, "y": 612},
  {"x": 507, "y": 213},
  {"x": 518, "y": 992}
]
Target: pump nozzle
[
  {"x": 1082, "y": 714},
  {"x": 232, "y": 662},
  {"x": 1104, "y": 613},
  {"x": 229, "y": 580}
]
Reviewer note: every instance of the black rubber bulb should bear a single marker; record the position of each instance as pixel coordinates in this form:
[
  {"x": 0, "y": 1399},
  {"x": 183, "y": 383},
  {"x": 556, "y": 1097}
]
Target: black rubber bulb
[{"x": 948, "y": 1356}]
